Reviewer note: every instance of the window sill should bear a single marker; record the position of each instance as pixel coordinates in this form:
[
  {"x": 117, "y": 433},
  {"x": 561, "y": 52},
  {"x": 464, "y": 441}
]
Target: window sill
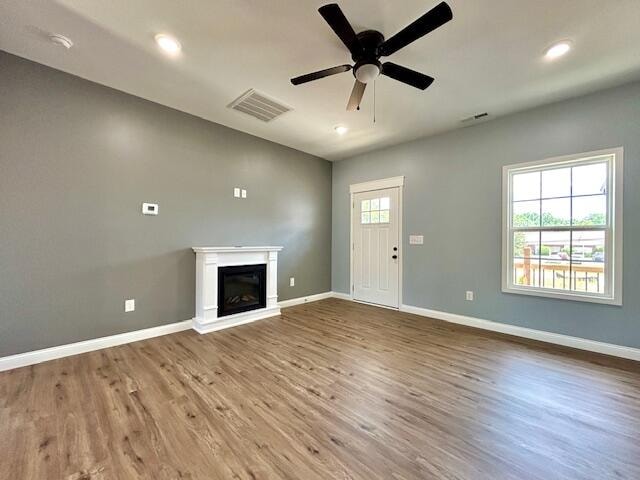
[{"x": 559, "y": 295}]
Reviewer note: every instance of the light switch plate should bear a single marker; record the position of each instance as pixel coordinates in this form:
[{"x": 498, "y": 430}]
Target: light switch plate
[
  {"x": 236, "y": 192},
  {"x": 416, "y": 239},
  {"x": 469, "y": 296},
  {"x": 292, "y": 282},
  {"x": 244, "y": 193},
  {"x": 149, "y": 208},
  {"x": 130, "y": 305}
]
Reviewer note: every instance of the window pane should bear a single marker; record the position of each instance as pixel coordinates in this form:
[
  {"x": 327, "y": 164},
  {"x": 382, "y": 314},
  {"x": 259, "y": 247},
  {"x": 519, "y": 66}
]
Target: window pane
[
  {"x": 590, "y": 179},
  {"x": 555, "y": 249},
  {"x": 384, "y": 203},
  {"x": 526, "y": 214},
  {"x": 365, "y": 217},
  {"x": 526, "y": 186},
  {"x": 526, "y": 258},
  {"x": 590, "y": 210},
  {"x": 588, "y": 261},
  {"x": 365, "y": 206},
  {"x": 556, "y": 212},
  {"x": 384, "y": 216},
  {"x": 375, "y": 204},
  {"x": 556, "y": 183},
  {"x": 375, "y": 217}
]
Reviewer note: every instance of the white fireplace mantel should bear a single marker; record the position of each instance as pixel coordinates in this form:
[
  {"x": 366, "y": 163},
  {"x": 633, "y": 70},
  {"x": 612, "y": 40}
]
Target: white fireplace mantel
[{"x": 208, "y": 259}]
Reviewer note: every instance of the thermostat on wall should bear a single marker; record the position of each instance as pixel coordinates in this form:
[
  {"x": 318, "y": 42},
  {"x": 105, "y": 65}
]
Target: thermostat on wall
[{"x": 150, "y": 208}]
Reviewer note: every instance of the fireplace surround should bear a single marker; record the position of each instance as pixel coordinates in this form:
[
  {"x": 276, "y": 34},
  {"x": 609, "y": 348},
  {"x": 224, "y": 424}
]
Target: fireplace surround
[{"x": 249, "y": 272}]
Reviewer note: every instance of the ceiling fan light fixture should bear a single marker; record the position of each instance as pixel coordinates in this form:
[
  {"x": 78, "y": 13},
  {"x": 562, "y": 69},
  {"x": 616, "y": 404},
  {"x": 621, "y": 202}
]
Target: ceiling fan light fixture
[{"x": 367, "y": 72}]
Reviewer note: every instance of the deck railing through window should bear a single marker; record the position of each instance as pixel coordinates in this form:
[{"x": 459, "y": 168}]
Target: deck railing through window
[{"x": 583, "y": 275}]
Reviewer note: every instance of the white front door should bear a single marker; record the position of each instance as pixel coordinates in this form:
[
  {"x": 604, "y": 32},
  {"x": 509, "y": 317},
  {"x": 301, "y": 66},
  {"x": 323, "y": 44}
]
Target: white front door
[{"x": 376, "y": 251}]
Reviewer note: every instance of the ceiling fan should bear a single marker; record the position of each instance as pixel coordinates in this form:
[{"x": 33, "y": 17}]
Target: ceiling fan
[{"x": 368, "y": 46}]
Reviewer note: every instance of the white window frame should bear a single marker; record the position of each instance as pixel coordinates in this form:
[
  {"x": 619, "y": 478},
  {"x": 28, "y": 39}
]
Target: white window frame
[{"x": 613, "y": 238}]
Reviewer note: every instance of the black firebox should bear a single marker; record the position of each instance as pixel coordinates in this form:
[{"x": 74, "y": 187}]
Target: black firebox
[{"x": 241, "y": 288}]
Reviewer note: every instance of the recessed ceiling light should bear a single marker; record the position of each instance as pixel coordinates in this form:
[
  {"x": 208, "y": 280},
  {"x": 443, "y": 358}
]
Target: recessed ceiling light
[
  {"x": 558, "y": 50},
  {"x": 341, "y": 129},
  {"x": 61, "y": 40},
  {"x": 168, "y": 43}
]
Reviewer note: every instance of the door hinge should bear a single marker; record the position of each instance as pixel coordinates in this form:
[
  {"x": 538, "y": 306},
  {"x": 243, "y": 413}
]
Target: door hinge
[{"x": 353, "y": 288}]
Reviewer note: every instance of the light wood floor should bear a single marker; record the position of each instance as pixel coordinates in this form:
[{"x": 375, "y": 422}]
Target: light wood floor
[{"x": 329, "y": 390}]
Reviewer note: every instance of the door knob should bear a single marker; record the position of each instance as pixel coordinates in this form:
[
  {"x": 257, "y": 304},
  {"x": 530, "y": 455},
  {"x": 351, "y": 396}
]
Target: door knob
[
  {"x": 395, "y": 249},
  {"x": 394, "y": 256}
]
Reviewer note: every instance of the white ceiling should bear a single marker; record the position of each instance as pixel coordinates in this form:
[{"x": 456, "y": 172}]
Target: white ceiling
[{"x": 488, "y": 58}]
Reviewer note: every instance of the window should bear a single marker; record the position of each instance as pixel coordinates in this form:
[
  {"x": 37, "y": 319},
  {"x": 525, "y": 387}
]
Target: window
[
  {"x": 375, "y": 210},
  {"x": 562, "y": 227}
]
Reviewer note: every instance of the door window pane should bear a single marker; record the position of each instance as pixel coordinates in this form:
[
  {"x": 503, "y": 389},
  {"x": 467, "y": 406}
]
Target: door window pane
[
  {"x": 384, "y": 203},
  {"x": 365, "y": 217},
  {"x": 365, "y": 206},
  {"x": 375, "y": 216},
  {"x": 384, "y": 216}
]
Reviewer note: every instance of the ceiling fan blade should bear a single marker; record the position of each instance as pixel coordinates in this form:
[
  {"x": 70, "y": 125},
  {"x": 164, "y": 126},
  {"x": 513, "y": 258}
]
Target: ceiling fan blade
[
  {"x": 434, "y": 18},
  {"x": 320, "y": 74},
  {"x": 406, "y": 75},
  {"x": 340, "y": 25},
  {"x": 356, "y": 96}
]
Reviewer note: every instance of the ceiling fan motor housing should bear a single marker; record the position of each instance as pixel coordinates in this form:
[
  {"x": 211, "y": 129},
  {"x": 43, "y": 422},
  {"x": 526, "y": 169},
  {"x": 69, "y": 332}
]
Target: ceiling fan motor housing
[{"x": 367, "y": 67}]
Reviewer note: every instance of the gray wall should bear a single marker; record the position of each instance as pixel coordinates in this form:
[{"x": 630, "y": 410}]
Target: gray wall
[
  {"x": 77, "y": 160},
  {"x": 453, "y": 196}
]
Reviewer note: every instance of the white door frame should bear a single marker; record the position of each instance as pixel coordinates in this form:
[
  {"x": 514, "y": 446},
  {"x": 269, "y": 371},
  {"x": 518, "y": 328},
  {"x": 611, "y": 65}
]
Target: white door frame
[{"x": 381, "y": 184}]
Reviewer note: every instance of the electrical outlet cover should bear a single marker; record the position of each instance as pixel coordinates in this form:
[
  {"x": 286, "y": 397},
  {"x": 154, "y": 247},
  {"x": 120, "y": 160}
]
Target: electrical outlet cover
[
  {"x": 150, "y": 209},
  {"x": 130, "y": 305},
  {"x": 416, "y": 239}
]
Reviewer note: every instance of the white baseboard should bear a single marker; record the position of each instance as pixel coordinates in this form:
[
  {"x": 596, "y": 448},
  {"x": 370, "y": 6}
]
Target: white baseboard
[
  {"x": 524, "y": 332},
  {"x": 341, "y": 296},
  {"x": 301, "y": 300},
  {"x": 548, "y": 337},
  {"x": 38, "y": 356},
  {"x": 52, "y": 353}
]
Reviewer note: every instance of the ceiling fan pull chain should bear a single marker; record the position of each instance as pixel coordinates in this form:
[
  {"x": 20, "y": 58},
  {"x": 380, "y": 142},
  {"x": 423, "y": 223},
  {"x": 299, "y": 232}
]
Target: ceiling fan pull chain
[{"x": 374, "y": 102}]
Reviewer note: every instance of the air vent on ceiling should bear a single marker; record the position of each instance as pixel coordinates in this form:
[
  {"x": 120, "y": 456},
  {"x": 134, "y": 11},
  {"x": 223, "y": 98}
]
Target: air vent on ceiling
[
  {"x": 475, "y": 117},
  {"x": 258, "y": 105}
]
